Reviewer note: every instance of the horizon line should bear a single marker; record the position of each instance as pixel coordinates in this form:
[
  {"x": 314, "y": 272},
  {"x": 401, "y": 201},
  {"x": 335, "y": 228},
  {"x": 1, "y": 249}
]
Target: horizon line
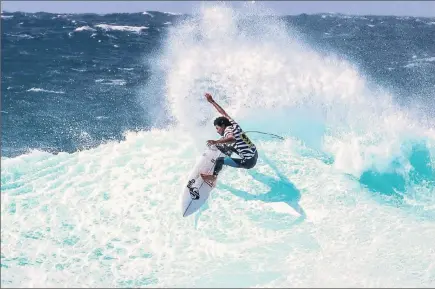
[{"x": 189, "y": 14}]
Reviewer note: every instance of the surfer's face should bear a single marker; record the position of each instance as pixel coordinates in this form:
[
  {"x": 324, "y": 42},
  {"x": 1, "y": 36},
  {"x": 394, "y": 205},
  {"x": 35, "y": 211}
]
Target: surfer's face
[{"x": 220, "y": 129}]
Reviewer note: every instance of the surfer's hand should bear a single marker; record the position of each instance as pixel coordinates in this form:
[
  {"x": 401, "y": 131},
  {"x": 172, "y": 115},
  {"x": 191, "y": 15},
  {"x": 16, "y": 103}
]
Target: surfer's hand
[
  {"x": 211, "y": 142},
  {"x": 209, "y": 97}
]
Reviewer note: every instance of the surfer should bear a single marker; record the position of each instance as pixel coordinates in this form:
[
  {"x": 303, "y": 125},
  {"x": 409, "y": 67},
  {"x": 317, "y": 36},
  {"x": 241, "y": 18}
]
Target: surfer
[{"x": 233, "y": 134}]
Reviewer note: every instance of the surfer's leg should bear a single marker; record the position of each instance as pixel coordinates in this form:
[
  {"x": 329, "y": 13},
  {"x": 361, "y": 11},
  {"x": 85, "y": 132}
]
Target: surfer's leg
[
  {"x": 249, "y": 163},
  {"x": 252, "y": 162},
  {"x": 210, "y": 179},
  {"x": 232, "y": 162},
  {"x": 220, "y": 162}
]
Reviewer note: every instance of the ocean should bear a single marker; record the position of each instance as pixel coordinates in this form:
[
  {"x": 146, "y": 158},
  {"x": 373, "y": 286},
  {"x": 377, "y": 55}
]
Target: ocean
[{"x": 104, "y": 116}]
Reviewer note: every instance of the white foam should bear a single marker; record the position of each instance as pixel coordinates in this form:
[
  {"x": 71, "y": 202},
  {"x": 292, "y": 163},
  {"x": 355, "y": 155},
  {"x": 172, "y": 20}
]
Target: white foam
[
  {"x": 84, "y": 28},
  {"x": 33, "y": 89},
  {"x": 362, "y": 127},
  {"x": 427, "y": 59},
  {"x": 111, "y": 81},
  {"x": 416, "y": 62},
  {"x": 136, "y": 29},
  {"x": 147, "y": 13},
  {"x": 25, "y": 36},
  {"x": 109, "y": 216}
]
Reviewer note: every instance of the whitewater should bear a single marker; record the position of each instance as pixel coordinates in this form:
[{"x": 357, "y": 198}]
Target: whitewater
[{"x": 359, "y": 165}]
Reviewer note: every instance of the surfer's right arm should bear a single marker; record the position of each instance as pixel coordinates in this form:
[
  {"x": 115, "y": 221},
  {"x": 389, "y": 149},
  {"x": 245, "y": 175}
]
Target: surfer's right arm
[{"x": 217, "y": 106}]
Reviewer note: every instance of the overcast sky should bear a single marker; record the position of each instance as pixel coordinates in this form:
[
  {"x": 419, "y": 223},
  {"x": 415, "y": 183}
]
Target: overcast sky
[{"x": 400, "y": 8}]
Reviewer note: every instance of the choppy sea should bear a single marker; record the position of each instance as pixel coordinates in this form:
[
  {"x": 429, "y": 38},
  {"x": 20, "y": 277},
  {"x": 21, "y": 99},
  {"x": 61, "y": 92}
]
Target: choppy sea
[{"x": 103, "y": 117}]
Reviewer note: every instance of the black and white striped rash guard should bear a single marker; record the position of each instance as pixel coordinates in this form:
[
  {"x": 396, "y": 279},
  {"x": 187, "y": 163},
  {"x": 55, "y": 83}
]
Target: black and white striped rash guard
[{"x": 243, "y": 145}]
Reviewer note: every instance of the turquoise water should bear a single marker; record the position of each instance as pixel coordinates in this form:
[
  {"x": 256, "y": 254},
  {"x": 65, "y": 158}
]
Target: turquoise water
[
  {"x": 346, "y": 199},
  {"x": 86, "y": 219}
]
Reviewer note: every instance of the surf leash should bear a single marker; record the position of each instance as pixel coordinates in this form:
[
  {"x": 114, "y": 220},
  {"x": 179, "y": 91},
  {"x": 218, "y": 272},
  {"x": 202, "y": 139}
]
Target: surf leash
[{"x": 271, "y": 134}]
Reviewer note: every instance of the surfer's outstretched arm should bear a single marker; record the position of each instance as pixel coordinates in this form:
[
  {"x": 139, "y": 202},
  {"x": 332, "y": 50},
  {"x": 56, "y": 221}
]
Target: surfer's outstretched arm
[{"x": 217, "y": 106}]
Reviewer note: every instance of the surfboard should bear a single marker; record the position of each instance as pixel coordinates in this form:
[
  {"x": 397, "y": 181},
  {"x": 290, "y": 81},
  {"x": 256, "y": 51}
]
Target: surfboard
[{"x": 196, "y": 191}]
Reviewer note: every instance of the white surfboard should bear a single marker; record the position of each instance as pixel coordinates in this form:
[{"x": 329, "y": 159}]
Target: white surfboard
[{"x": 196, "y": 191}]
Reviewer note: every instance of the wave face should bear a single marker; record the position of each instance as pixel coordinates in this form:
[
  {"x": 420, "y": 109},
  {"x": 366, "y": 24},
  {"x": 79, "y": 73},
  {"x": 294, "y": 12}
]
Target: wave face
[{"x": 100, "y": 133}]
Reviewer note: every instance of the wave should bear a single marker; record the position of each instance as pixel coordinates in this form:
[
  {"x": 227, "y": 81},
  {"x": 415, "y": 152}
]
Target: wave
[
  {"x": 136, "y": 29},
  {"x": 111, "y": 81},
  {"x": 362, "y": 126},
  {"x": 126, "y": 191},
  {"x": 83, "y": 28},
  {"x": 148, "y": 13},
  {"x": 33, "y": 89},
  {"x": 357, "y": 165}
]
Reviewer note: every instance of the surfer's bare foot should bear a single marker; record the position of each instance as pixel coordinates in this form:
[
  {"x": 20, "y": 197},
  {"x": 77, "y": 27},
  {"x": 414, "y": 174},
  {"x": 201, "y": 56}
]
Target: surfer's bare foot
[{"x": 209, "y": 179}]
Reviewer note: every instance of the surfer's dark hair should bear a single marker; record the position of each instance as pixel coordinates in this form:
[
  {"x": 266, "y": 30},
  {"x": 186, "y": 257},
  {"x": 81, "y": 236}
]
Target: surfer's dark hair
[{"x": 222, "y": 121}]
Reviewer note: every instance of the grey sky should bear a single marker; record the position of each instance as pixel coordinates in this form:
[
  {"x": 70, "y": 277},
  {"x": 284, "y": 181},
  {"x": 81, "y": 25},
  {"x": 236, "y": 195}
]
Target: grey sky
[{"x": 400, "y": 8}]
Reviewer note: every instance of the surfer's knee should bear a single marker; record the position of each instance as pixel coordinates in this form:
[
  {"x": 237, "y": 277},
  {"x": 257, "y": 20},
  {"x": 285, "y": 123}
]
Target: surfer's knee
[
  {"x": 220, "y": 160},
  {"x": 250, "y": 163},
  {"x": 218, "y": 165},
  {"x": 249, "y": 166}
]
